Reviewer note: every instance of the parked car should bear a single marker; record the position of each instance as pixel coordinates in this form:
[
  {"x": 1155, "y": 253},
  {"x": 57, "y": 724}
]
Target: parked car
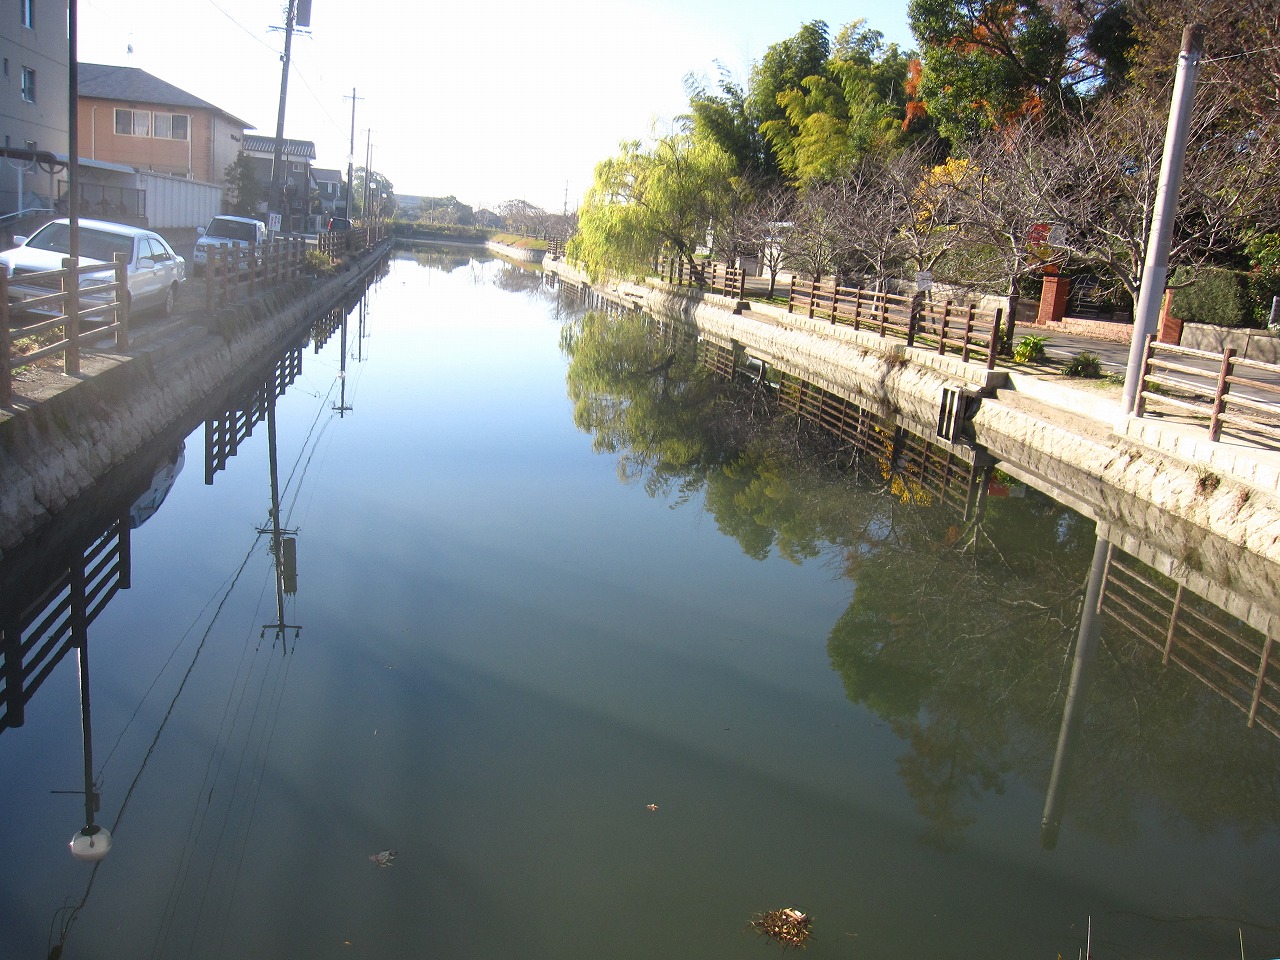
[
  {"x": 154, "y": 271},
  {"x": 338, "y": 223},
  {"x": 227, "y": 232}
]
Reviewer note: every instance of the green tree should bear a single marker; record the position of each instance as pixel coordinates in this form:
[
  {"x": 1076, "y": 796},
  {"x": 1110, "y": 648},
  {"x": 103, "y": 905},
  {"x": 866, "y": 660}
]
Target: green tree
[
  {"x": 244, "y": 190},
  {"x": 721, "y": 117},
  {"x": 648, "y": 199},
  {"x": 377, "y": 189},
  {"x": 853, "y": 108},
  {"x": 989, "y": 63}
]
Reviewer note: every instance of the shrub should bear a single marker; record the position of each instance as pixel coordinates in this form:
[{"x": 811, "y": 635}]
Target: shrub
[
  {"x": 321, "y": 264},
  {"x": 1029, "y": 349},
  {"x": 1085, "y": 364},
  {"x": 1214, "y": 296}
]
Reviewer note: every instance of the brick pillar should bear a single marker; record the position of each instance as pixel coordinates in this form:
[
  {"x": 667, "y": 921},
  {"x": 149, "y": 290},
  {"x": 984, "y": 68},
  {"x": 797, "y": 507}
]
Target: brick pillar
[
  {"x": 1053, "y": 299},
  {"x": 1170, "y": 328}
]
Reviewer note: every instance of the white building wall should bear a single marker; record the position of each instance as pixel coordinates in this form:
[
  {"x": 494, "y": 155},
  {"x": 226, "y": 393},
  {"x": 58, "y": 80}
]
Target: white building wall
[{"x": 175, "y": 203}]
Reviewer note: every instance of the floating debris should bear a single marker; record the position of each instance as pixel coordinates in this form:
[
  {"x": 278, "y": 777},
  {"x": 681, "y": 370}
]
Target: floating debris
[
  {"x": 383, "y": 858},
  {"x": 788, "y": 926},
  {"x": 651, "y": 807}
]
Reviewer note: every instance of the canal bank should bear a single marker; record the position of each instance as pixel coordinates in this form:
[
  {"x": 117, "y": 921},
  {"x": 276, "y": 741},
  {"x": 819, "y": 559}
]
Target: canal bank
[
  {"x": 62, "y": 433},
  {"x": 1161, "y": 478}
]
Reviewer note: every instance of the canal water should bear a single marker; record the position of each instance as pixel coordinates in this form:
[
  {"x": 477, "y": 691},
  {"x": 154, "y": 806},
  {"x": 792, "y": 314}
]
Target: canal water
[{"x": 483, "y": 623}]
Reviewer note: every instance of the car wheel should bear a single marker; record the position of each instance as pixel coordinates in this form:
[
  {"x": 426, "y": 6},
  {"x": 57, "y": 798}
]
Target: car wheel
[{"x": 170, "y": 298}]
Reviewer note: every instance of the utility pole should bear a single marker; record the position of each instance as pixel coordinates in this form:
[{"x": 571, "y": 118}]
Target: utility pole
[
  {"x": 351, "y": 150},
  {"x": 273, "y": 198},
  {"x": 368, "y": 158},
  {"x": 1155, "y": 269}
]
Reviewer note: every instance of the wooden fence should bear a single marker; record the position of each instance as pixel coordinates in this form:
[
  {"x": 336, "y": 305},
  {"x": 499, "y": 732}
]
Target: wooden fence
[
  {"x": 66, "y": 308},
  {"x": 944, "y": 327},
  {"x": 711, "y": 276},
  {"x": 1228, "y": 391},
  {"x": 236, "y": 272}
]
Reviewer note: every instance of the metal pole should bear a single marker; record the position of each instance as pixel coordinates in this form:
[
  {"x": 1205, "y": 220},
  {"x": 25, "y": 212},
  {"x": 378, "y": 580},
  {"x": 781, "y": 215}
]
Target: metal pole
[
  {"x": 71, "y": 305},
  {"x": 273, "y": 198},
  {"x": 1156, "y": 268}
]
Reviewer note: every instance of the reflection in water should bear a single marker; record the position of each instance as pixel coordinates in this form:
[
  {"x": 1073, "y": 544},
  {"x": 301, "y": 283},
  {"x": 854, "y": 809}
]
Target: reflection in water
[
  {"x": 47, "y": 607},
  {"x": 445, "y": 695},
  {"x": 960, "y": 630}
]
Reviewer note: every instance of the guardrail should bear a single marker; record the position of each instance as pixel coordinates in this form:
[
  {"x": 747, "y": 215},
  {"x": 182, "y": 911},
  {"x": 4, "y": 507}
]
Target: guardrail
[
  {"x": 64, "y": 308},
  {"x": 1171, "y": 378}
]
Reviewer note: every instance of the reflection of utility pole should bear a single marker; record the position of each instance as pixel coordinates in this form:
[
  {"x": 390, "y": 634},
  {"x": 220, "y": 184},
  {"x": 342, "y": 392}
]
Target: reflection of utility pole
[
  {"x": 1073, "y": 710},
  {"x": 284, "y": 544},
  {"x": 341, "y": 406}
]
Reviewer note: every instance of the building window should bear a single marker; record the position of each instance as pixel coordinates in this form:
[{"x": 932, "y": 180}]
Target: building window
[
  {"x": 133, "y": 123},
  {"x": 28, "y": 13},
  {"x": 29, "y": 84},
  {"x": 172, "y": 126}
]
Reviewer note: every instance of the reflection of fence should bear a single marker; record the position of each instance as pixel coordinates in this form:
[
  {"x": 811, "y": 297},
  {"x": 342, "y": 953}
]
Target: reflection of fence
[
  {"x": 35, "y": 638},
  {"x": 946, "y": 327},
  {"x": 1229, "y": 656},
  {"x": 224, "y": 434},
  {"x": 711, "y": 276},
  {"x": 1171, "y": 378},
  {"x": 66, "y": 303}
]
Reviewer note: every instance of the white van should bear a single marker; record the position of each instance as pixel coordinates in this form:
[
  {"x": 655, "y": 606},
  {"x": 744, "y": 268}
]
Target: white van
[{"x": 227, "y": 232}]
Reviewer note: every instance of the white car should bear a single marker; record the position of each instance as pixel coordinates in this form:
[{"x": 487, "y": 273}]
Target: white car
[
  {"x": 154, "y": 270},
  {"x": 226, "y": 231}
]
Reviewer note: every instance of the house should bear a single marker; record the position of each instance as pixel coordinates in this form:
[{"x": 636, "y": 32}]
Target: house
[
  {"x": 33, "y": 102},
  {"x": 330, "y": 194},
  {"x": 296, "y": 181}
]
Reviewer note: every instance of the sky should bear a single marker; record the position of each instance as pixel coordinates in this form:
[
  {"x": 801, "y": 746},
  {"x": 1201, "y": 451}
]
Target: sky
[{"x": 487, "y": 102}]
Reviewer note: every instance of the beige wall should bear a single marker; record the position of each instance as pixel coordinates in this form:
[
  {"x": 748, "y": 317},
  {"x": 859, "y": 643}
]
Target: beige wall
[{"x": 203, "y": 157}]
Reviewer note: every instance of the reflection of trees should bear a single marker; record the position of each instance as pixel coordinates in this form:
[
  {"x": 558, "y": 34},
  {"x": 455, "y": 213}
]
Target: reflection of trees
[
  {"x": 446, "y": 258},
  {"x": 516, "y": 279},
  {"x": 960, "y": 637}
]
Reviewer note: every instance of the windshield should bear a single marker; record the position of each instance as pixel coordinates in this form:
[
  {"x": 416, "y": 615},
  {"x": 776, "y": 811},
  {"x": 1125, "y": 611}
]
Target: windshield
[
  {"x": 231, "y": 230},
  {"x": 94, "y": 244}
]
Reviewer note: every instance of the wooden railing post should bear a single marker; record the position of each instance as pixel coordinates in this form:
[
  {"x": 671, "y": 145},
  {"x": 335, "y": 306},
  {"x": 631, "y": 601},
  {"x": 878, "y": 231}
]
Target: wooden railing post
[
  {"x": 253, "y": 268},
  {"x": 1140, "y": 405},
  {"x": 996, "y": 338},
  {"x": 6, "y": 346},
  {"x": 122, "y": 302},
  {"x": 942, "y": 333},
  {"x": 913, "y": 318},
  {"x": 1220, "y": 395}
]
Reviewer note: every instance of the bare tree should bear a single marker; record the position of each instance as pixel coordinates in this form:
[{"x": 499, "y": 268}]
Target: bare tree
[
  {"x": 1104, "y": 172},
  {"x": 523, "y": 217}
]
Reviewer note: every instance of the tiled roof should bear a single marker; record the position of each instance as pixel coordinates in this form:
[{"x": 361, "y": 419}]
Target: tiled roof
[
  {"x": 325, "y": 175},
  {"x": 131, "y": 85},
  {"x": 292, "y": 148}
]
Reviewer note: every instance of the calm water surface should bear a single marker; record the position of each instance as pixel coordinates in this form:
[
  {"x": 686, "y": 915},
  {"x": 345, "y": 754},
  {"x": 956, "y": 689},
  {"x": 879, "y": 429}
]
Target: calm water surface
[{"x": 608, "y": 690}]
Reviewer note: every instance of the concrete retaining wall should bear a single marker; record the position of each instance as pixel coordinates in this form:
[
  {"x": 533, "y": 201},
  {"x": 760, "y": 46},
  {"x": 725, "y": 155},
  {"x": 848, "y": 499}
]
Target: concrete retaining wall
[
  {"x": 516, "y": 253},
  {"x": 1260, "y": 345}
]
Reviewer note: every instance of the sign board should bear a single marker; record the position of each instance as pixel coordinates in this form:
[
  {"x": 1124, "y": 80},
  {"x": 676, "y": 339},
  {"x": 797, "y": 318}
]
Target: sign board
[
  {"x": 924, "y": 280},
  {"x": 273, "y": 222}
]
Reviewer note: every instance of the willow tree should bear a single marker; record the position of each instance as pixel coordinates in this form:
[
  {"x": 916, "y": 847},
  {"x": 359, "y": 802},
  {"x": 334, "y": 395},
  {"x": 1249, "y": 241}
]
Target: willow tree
[{"x": 649, "y": 199}]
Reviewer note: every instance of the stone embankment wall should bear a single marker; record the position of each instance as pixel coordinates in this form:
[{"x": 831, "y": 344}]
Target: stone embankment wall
[
  {"x": 1061, "y": 440},
  {"x": 516, "y": 253},
  {"x": 54, "y": 449}
]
